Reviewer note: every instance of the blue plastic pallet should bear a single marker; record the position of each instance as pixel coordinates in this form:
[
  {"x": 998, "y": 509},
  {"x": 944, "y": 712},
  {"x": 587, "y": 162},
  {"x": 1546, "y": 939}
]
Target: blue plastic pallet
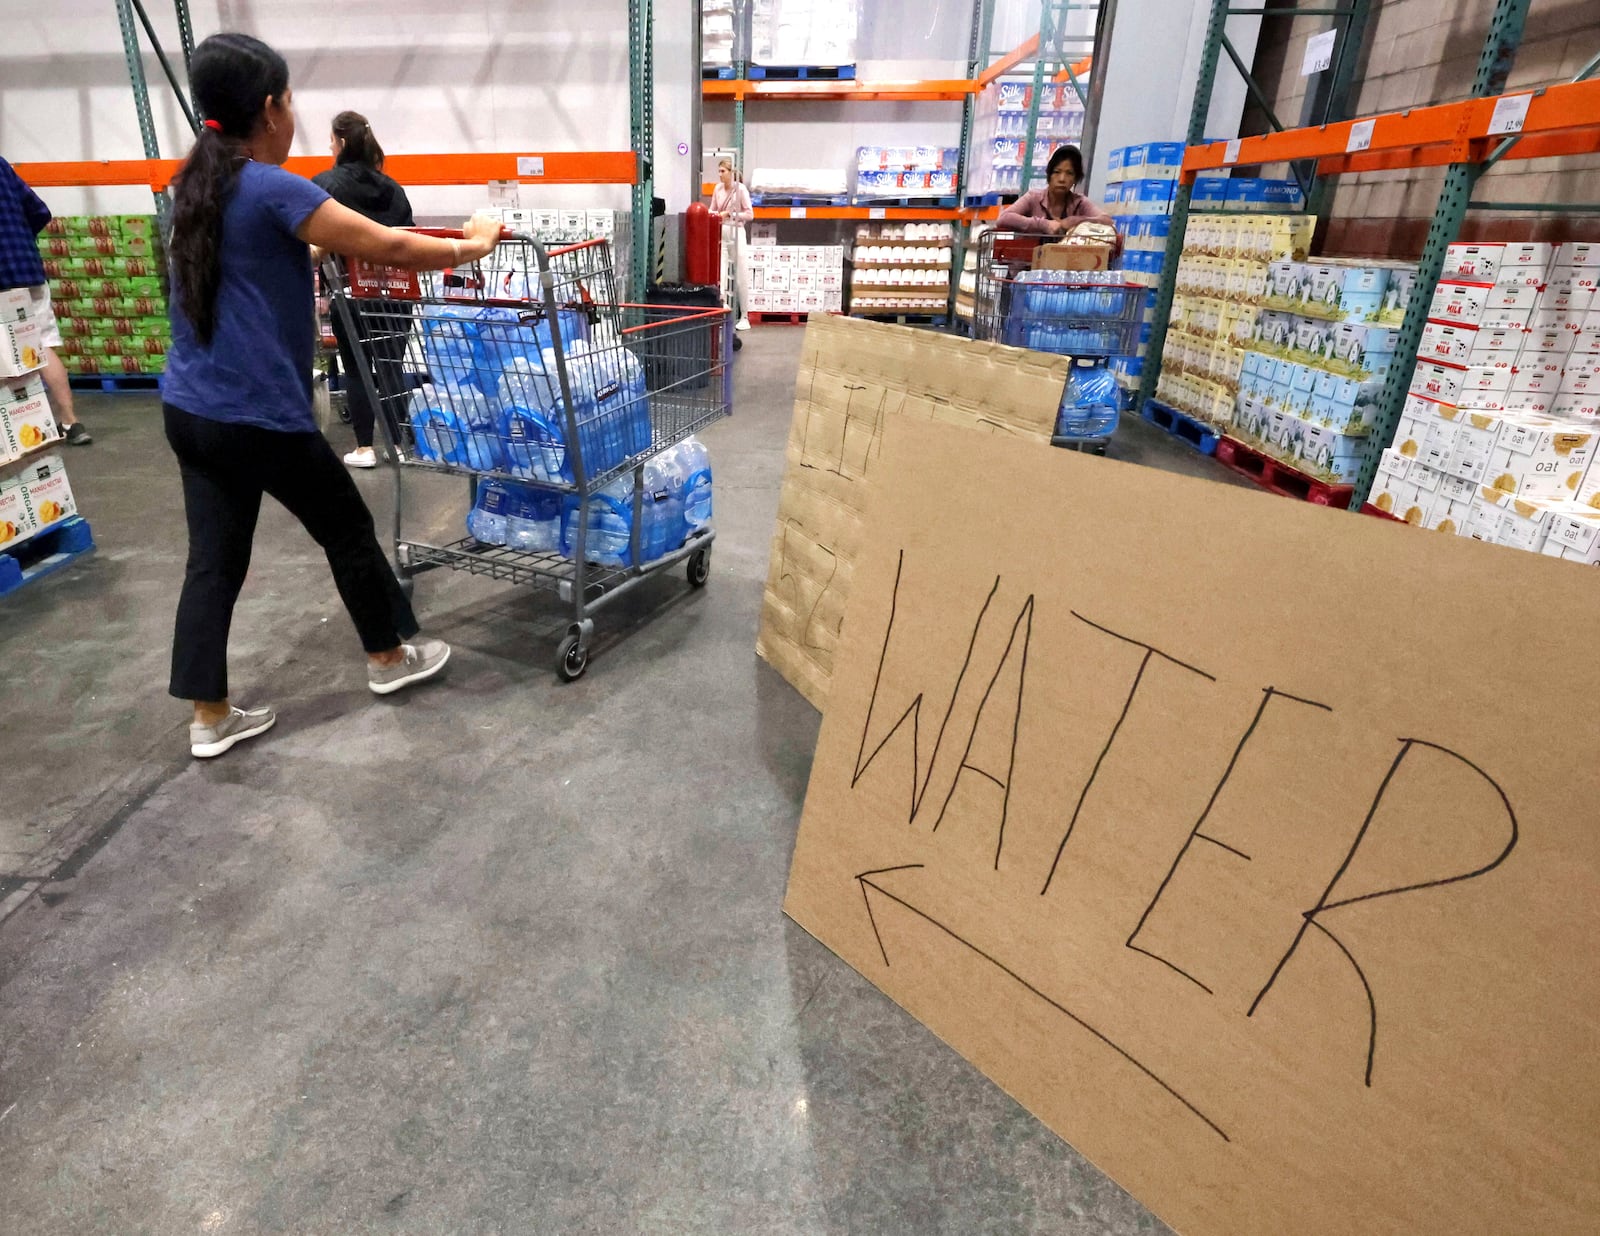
[
  {"x": 45, "y": 551},
  {"x": 716, "y": 73},
  {"x": 1182, "y": 426},
  {"x": 797, "y": 199},
  {"x": 988, "y": 199},
  {"x": 802, "y": 72},
  {"x": 942, "y": 203},
  {"x": 114, "y": 383}
]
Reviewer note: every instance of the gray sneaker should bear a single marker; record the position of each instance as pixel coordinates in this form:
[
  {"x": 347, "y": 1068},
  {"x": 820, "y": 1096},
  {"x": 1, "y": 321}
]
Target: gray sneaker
[
  {"x": 423, "y": 659},
  {"x": 206, "y": 741}
]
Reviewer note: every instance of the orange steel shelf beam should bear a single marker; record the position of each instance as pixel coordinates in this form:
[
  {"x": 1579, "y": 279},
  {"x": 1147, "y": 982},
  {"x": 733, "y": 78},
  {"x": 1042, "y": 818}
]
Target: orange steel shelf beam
[
  {"x": 1026, "y": 50},
  {"x": 610, "y": 167},
  {"x": 1562, "y": 119},
  {"x": 923, "y": 213},
  {"x": 1079, "y": 69},
  {"x": 937, "y": 91}
]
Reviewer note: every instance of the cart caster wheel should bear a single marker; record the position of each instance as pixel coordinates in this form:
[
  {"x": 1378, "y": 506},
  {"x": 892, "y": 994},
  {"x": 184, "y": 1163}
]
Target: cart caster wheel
[
  {"x": 572, "y": 658},
  {"x": 699, "y": 568},
  {"x": 738, "y": 344}
]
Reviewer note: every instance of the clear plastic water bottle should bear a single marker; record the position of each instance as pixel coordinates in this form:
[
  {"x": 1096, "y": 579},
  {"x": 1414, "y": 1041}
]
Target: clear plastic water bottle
[
  {"x": 533, "y": 520},
  {"x": 486, "y": 521},
  {"x": 1089, "y": 408},
  {"x": 693, "y": 467}
]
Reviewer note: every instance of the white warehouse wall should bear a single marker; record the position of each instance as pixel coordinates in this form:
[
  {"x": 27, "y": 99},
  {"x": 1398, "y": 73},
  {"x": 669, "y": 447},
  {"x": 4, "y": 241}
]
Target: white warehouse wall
[{"x": 433, "y": 78}]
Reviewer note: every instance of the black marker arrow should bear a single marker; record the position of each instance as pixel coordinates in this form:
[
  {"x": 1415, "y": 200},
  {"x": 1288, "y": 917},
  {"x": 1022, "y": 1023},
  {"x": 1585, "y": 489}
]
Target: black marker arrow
[{"x": 866, "y": 882}]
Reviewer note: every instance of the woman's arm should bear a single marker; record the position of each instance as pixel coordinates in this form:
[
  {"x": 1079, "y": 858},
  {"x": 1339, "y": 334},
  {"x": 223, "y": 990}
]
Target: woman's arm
[
  {"x": 744, "y": 212},
  {"x": 1026, "y": 215},
  {"x": 338, "y": 229}
]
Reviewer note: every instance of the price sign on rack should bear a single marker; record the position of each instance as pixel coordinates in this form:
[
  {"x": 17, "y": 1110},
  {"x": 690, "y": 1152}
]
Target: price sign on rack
[
  {"x": 1230, "y": 152},
  {"x": 877, "y": 212},
  {"x": 1360, "y": 136},
  {"x": 1510, "y": 114}
]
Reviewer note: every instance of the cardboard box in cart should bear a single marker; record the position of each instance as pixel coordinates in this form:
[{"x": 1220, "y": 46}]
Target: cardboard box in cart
[
  {"x": 15, "y": 521},
  {"x": 21, "y": 347}
]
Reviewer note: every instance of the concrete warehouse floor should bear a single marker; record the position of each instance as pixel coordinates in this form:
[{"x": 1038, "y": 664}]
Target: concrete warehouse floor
[{"x": 495, "y": 955}]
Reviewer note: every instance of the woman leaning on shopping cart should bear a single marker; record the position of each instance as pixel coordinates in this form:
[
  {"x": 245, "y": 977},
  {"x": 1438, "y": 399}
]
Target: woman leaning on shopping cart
[{"x": 238, "y": 391}]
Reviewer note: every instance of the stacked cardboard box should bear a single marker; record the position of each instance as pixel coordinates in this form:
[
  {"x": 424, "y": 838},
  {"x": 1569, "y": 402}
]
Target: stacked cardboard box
[
  {"x": 37, "y": 495},
  {"x": 799, "y": 279},
  {"x": 107, "y": 293},
  {"x": 1000, "y": 133},
  {"x": 907, "y": 263},
  {"x": 1502, "y": 420},
  {"x": 553, "y": 229},
  {"x": 1220, "y": 284}
]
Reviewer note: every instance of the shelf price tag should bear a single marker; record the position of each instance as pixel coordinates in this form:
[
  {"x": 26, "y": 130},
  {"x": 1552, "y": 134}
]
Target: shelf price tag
[
  {"x": 530, "y": 165},
  {"x": 877, "y": 212},
  {"x": 1230, "y": 152},
  {"x": 1510, "y": 113},
  {"x": 1319, "y": 52},
  {"x": 1360, "y": 136},
  {"x": 797, "y": 212}
]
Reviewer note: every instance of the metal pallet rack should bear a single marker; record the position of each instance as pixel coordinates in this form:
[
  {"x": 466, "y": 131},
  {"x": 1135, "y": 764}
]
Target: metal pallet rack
[
  {"x": 633, "y": 167},
  {"x": 1560, "y": 120}
]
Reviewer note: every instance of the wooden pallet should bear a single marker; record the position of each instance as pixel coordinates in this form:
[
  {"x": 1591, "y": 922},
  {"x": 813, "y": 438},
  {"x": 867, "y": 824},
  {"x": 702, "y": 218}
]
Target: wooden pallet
[
  {"x": 1278, "y": 477},
  {"x": 43, "y": 552}
]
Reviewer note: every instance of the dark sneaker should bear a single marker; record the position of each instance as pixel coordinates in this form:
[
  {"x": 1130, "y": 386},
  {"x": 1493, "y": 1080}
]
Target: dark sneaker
[
  {"x": 77, "y": 435},
  {"x": 423, "y": 659},
  {"x": 206, "y": 741}
]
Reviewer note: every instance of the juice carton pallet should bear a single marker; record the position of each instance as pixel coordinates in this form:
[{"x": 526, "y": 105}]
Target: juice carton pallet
[
  {"x": 114, "y": 383},
  {"x": 1182, "y": 426},
  {"x": 1279, "y": 477},
  {"x": 716, "y": 72},
  {"x": 799, "y": 199},
  {"x": 802, "y": 72},
  {"x": 907, "y": 203},
  {"x": 45, "y": 551}
]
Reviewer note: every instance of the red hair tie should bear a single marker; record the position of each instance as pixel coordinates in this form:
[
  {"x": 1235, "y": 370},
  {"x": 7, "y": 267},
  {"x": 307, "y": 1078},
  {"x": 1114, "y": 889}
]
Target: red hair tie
[{"x": 212, "y": 124}]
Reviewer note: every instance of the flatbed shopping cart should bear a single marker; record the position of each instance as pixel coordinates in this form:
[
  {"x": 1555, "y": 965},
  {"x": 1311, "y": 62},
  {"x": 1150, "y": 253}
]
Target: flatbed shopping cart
[
  {"x": 1089, "y": 315},
  {"x": 540, "y": 382}
]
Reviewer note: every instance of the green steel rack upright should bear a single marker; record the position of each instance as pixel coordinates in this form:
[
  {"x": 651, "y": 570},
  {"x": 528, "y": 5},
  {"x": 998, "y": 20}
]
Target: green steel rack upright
[{"x": 1331, "y": 100}]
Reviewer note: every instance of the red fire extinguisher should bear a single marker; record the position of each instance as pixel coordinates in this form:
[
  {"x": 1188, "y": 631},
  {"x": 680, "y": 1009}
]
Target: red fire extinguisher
[{"x": 702, "y": 245}]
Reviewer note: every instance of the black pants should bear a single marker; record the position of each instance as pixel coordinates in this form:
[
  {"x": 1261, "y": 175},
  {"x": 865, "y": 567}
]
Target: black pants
[
  {"x": 388, "y": 325},
  {"x": 226, "y": 468}
]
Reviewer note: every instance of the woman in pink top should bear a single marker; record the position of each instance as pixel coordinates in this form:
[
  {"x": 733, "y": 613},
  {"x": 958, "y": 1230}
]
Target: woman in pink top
[
  {"x": 731, "y": 200},
  {"x": 1057, "y": 208}
]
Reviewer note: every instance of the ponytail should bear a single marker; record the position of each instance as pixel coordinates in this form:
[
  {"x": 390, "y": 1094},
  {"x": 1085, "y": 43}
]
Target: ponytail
[
  {"x": 360, "y": 146},
  {"x": 232, "y": 76}
]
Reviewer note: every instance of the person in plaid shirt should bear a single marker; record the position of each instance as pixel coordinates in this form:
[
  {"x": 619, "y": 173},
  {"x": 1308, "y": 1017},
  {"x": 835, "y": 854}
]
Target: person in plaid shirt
[{"x": 22, "y": 217}]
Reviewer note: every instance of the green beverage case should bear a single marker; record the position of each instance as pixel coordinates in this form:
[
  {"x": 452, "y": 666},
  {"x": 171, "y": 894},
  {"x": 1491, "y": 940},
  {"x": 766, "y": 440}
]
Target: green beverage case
[
  {"x": 57, "y": 246},
  {"x": 121, "y": 267},
  {"x": 144, "y": 285},
  {"x": 153, "y": 327},
  {"x": 135, "y": 247},
  {"x": 134, "y": 225},
  {"x": 143, "y": 307},
  {"x": 92, "y": 246}
]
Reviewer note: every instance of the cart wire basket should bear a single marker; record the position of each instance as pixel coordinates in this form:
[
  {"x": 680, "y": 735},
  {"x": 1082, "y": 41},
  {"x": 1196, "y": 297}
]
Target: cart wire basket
[{"x": 527, "y": 375}]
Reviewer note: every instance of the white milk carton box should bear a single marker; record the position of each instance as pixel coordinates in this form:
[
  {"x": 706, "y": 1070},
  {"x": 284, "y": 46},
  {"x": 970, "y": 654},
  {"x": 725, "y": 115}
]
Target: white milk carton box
[
  {"x": 1537, "y": 374},
  {"x": 16, "y": 305},
  {"x": 1477, "y": 263},
  {"x": 1578, "y": 253},
  {"x": 1460, "y": 303},
  {"x": 1524, "y": 264},
  {"x": 1509, "y": 306},
  {"x": 575, "y": 224},
  {"x": 1441, "y": 383},
  {"x": 1484, "y": 517},
  {"x": 1472, "y": 444},
  {"x": 26, "y": 422},
  {"x": 1525, "y": 522}
]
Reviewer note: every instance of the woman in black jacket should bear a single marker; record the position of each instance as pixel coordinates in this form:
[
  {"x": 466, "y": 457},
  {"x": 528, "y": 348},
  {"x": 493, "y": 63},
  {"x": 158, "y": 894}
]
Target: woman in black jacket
[{"x": 356, "y": 180}]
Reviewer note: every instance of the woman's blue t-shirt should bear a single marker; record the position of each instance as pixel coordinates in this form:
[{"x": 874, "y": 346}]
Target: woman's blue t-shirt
[{"x": 257, "y": 370}]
